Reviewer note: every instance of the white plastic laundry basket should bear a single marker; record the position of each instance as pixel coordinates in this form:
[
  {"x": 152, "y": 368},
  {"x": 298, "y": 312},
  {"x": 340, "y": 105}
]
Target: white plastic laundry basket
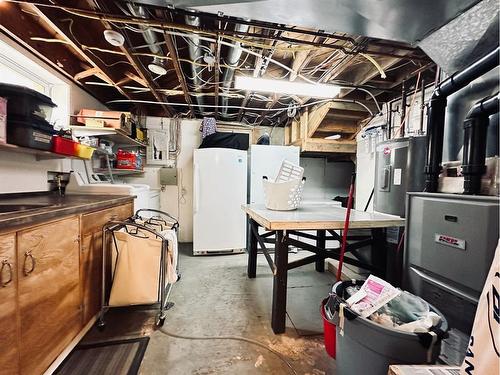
[{"x": 283, "y": 196}]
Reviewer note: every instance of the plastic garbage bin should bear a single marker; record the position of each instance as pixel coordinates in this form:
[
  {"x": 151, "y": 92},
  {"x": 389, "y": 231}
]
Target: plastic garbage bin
[{"x": 366, "y": 347}]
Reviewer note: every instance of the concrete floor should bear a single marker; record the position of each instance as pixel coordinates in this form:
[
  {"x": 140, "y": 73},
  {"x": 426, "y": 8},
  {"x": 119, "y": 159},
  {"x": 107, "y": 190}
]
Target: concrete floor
[{"x": 215, "y": 298}]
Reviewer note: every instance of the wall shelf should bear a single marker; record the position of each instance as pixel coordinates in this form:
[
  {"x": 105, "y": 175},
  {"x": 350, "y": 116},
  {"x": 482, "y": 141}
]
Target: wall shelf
[
  {"x": 39, "y": 154},
  {"x": 117, "y": 136},
  {"x": 118, "y": 172}
]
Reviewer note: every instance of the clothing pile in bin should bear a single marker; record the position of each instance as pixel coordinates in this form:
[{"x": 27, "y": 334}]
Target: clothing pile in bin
[{"x": 388, "y": 306}]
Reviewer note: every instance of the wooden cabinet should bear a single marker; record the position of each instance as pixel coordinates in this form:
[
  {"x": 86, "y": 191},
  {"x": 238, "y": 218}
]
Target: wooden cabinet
[
  {"x": 49, "y": 293},
  {"x": 91, "y": 256},
  {"x": 50, "y": 287},
  {"x": 9, "y": 340}
]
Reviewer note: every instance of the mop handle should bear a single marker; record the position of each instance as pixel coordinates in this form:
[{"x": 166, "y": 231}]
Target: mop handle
[{"x": 346, "y": 227}]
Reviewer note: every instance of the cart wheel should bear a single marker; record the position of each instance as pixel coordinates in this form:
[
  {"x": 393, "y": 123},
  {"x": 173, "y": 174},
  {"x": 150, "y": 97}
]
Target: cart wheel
[
  {"x": 100, "y": 325},
  {"x": 169, "y": 305},
  {"x": 160, "y": 321}
]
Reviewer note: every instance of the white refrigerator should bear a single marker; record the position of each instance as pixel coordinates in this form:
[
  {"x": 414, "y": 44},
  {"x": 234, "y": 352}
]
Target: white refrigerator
[
  {"x": 265, "y": 160},
  {"x": 220, "y": 188}
]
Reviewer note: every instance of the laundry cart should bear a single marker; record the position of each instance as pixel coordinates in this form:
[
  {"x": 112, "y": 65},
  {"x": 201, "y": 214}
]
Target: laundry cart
[{"x": 140, "y": 262}]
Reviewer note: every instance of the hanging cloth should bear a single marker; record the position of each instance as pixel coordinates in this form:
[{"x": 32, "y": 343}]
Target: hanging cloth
[{"x": 208, "y": 126}]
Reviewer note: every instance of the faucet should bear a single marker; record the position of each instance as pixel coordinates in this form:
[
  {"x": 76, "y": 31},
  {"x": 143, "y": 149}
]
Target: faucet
[{"x": 58, "y": 181}]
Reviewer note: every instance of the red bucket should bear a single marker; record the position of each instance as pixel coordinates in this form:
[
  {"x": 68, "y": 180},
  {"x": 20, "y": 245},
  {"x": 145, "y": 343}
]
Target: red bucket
[{"x": 329, "y": 330}]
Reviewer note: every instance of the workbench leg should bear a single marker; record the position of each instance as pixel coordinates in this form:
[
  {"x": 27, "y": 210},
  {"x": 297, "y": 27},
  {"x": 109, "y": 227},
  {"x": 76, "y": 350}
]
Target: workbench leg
[
  {"x": 252, "y": 251},
  {"x": 379, "y": 252},
  {"x": 278, "y": 318},
  {"x": 321, "y": 243}
]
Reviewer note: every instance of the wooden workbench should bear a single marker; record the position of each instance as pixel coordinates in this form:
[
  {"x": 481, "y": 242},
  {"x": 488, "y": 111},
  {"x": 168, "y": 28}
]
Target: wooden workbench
[{"x": 322, "y": 218}]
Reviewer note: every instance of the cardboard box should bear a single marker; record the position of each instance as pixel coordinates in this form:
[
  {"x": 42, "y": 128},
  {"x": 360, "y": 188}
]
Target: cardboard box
[
  {"x": 110, "y": 119},
  {"x": 423, "y": 370}
]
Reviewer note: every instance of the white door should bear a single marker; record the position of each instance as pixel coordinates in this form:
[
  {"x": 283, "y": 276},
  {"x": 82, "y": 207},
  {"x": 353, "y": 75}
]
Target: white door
[
  {"x": 266, "y": 160},
  {"x": 220, "y": 188}
]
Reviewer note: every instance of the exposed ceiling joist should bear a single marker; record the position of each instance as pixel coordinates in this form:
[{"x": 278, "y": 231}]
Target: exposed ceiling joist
[
  {"x": 44, "y": 14},
  {"x": 135, "y": 63}
]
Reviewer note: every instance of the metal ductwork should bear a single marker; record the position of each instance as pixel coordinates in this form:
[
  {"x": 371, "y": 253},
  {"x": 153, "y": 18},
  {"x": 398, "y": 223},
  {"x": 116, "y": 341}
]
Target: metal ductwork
[
  {"x": 156, "y": 66},
  {"x": 475, "y": 136},
  {"x": 233, "y": 58},
  {"x": 149, "y": 36},
  {"x": 437, "y": 110},
  {"x": 195, "y": 53}
]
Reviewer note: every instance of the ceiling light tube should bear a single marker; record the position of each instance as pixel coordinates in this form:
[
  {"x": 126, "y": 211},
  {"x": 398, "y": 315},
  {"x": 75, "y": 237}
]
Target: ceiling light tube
[{"x": 317, "y": 90}]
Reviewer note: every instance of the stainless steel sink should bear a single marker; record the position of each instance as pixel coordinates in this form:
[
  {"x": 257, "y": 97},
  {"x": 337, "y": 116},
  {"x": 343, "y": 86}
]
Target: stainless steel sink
[{"x": 11, "y": 208}]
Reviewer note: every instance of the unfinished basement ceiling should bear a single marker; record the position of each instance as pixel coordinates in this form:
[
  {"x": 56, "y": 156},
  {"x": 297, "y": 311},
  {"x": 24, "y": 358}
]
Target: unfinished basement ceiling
[
  {"x": 203, "y": 52},
  {"x": 403, "y": 20}
]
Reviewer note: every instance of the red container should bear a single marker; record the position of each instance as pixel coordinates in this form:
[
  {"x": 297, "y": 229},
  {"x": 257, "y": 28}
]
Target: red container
[
  {"x": 330, "y": 332},
  {"x": 63, "y": 146},
  {"x": 126, "y": 160}
]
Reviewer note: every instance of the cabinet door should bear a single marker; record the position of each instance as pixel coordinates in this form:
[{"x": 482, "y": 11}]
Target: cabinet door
[
  {"x": 9, "y": 341},
  {"x": 91, "y": 274},
  {"x": 49, "y": 293},
  {"x": 93, "y": 221}
]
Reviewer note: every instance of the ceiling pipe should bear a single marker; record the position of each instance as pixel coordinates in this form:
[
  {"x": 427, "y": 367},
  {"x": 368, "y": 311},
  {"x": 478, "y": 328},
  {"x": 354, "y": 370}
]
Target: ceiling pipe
[
  {"x": 437, "y": 110},
  {"x": 195, "y": 53},
  {"x": 233, "y": 58},
  {"x": 156, "y": 66},
  {"x": 475, "y": 137}
]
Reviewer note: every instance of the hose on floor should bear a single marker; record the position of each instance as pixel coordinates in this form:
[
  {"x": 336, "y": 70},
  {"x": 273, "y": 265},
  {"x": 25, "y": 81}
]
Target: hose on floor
[{"x": 235, "y": 338}]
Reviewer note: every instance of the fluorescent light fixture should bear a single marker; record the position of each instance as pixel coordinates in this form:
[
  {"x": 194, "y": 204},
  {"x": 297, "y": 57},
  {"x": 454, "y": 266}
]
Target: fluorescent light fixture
[
  {"x": 333, "y": 137},
  {"x": 318, "y": 90}
]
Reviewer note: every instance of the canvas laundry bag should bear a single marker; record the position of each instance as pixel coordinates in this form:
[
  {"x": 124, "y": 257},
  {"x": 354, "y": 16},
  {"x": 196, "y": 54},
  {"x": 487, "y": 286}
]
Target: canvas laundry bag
[
  {"x": 483, "y": 353},
  {"x": 136, "y": 270}
]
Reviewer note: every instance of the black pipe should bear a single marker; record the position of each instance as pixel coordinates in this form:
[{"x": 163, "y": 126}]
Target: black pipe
[
  {"x": 437, "y": 110},
  {"x": 422, "y": 107},
  {"x": 403, "y": 110},
  {"x": 475, "y": 136}
]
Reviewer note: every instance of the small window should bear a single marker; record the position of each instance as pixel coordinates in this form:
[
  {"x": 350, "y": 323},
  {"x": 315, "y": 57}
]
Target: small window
[{"x": 18, "y": 69}]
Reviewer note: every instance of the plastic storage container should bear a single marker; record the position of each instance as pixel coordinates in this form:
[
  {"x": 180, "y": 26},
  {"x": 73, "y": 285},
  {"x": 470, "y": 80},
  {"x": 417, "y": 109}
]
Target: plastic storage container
[
  {"x": 30, "y": 134},
  {"x": 84, "y": 151},
  {"x": 25, "y": 104},
  {"x": 64, "y": 146},
  {"x": 365, "y": 347},
  {"x": 126, "y": 160}
]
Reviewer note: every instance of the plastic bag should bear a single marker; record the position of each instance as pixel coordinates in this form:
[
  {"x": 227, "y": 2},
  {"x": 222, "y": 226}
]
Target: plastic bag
[
  {"x": 406, "y": 312},
  {"x": 405, "y": 308}
]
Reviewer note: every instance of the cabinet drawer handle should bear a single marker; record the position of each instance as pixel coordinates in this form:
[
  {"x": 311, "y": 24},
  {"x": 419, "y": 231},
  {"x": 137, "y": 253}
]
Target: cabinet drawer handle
[
  {"x": 28, "y": 255},
  {"x": 8, "y": 266}
]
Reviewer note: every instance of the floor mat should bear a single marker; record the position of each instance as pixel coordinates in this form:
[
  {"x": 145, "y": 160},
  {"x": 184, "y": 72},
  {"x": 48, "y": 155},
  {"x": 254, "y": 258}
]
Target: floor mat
[{"x": 121, "y": 357}]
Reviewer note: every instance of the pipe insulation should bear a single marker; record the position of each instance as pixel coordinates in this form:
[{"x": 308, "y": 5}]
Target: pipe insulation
[
  {"x": 437, "y": 110},
  {"x": 195, "y": 54},
  {"x": 475, "y": 137},
  {"x": 233, "y": 58}
]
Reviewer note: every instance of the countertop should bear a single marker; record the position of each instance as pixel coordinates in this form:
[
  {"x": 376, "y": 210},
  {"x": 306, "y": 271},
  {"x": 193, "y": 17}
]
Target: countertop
[{"x": 57, "y": 206}]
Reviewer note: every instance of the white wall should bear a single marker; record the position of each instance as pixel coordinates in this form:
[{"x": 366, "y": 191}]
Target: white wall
[
  {"x": 177, "y": 200},
  {"x": 325, "y": 180},
  {"x": 22, "y": 172}
]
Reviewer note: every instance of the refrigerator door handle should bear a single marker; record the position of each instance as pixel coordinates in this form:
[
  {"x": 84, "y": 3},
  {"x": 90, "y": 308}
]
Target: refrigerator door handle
[{"x": 196, "y": 188}]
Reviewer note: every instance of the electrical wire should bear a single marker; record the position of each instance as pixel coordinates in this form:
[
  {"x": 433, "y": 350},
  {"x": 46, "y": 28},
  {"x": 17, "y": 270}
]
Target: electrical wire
[{"x": 407, "y": 111}]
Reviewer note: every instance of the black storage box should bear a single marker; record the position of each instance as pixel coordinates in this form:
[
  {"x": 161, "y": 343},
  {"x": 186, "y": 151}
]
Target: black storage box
[
  {"x": 24, "y": 104},
  {"x": 33, "y": 134}
]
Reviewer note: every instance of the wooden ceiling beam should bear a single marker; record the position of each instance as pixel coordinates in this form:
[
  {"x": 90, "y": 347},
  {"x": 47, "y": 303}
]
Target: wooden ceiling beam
[
  {"x": 86, "y": 73},
  {"x": 134, "y": 60},
  {"x": 44, "y": 15},
  {"x": 338, "y": 127},
  {"x": 217, "y": 77},
  {"x": 172, "y": 51},
  {"x": 261, "y": 65},
  {"x": 134, "y": 77}
]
